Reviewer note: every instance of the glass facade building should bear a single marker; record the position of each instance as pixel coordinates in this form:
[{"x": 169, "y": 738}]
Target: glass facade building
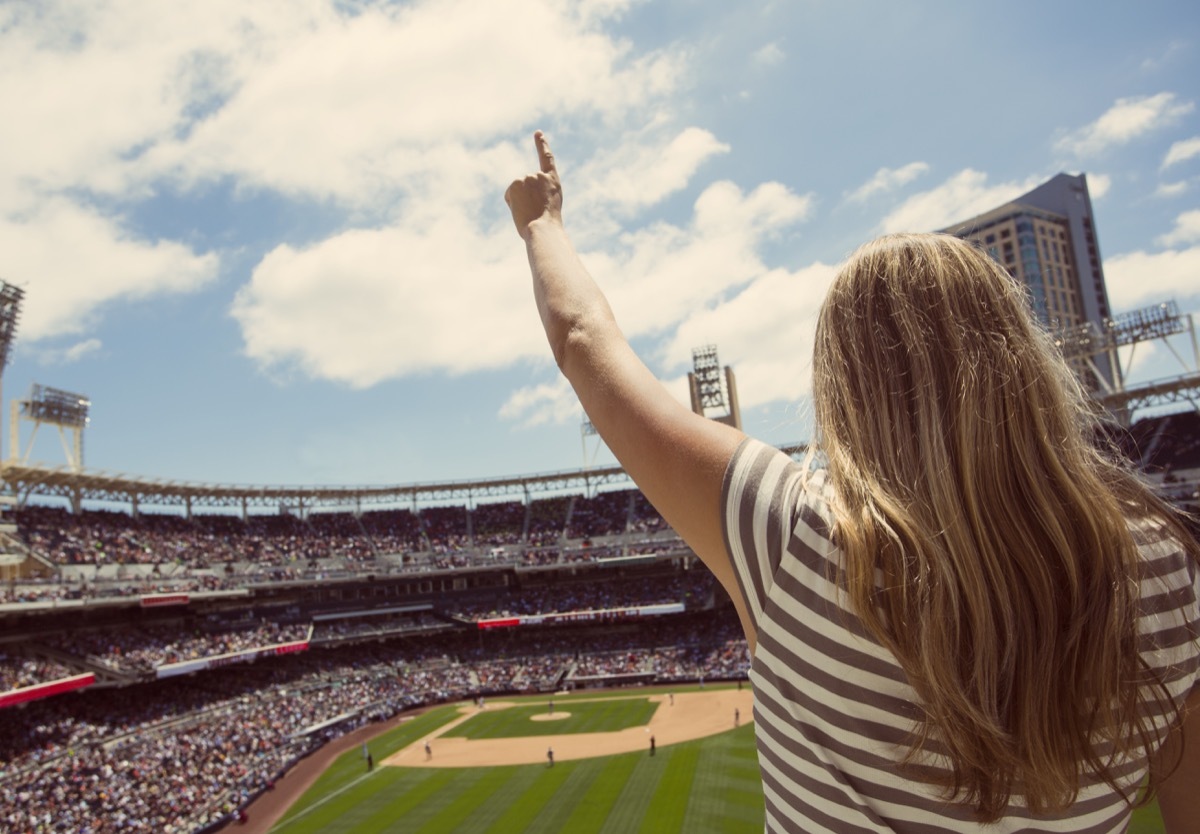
[{"x": 1046, "y": 239}]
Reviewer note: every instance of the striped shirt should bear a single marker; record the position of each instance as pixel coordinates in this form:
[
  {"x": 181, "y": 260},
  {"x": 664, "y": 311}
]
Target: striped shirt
[{"x": 833, "y": 709}]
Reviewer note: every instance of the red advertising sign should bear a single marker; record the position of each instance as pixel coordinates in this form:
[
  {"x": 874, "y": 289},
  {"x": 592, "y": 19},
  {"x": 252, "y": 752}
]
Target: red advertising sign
[{"x": 45, "y": 690}]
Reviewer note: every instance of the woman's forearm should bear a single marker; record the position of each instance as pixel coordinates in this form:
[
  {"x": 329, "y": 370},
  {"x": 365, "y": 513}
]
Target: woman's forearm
[{"x": 574, "y": 312}]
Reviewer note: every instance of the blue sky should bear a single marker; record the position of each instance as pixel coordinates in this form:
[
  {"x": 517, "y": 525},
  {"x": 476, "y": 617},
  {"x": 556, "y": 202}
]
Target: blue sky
[{"x": 268, "y": 240}]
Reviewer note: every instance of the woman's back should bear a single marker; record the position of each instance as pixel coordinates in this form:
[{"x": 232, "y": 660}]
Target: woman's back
[{"x": 835, "y": 712}]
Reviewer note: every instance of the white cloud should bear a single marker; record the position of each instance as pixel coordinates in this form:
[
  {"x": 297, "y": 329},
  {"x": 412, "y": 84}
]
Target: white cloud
[
  {"x": 887, "y": 179},
  {"x": 370, "y": 304},
  {"x": 663, "y": 272},
  {"x": 1126, "y": 120},
  {"x": 765, "y": 333},
  {"x": 1135, "y": 279},
  {"x": 675, "y": 288},
  {"x": 366, "y": 120},
  {"x": 959, "y": 198},
  {"x": 393, "y": 110},
  {"x": 1181, "y": 151},
  {"x": 1187, "y": 230},
  {"x": 643, "y": 170},
  {"x": 72, "y": 260},
  {"x": 84, "y": 89},
  {"x": 1173, "y": 50},
  {"x": 548, "y": 403},
  {"x": 1138, "y": 357},
  {"x": 1098, "y": 185},
  {"x": 1171, "y": 189},
  {"x": 769, "y": 55},
  {"x": 67, "y": 355},
  {"x": 437, "y": 295}
]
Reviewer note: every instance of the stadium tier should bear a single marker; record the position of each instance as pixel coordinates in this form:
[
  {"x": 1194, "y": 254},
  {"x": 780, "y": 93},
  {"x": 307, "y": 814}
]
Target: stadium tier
[
  {"x": 229, "y": 647},
  {"x": 208, "y": 652}
]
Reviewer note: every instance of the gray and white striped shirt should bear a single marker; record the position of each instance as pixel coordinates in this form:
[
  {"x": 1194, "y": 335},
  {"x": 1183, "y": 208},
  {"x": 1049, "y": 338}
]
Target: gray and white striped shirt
[{"x": 834, "y": 710}]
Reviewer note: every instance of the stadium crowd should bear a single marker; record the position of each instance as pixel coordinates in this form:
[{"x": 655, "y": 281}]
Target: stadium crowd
[
  {"x": 187, "y": 753},
  {"x": 107, "y": 553},
  {"x": 110, "y": 537},
  {"x": 20, "y": 672},
  {"x": 695, "y": 586},
  {"x": 142, "y": 649}
]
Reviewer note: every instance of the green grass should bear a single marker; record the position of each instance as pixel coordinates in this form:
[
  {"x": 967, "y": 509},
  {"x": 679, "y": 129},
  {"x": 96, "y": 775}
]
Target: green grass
[
  {"x": 708, "y": 786},
  {"x": 1146, "y": 820},
  {"x": 603, "y": 716},
  {"x": 678, "y": 790}
]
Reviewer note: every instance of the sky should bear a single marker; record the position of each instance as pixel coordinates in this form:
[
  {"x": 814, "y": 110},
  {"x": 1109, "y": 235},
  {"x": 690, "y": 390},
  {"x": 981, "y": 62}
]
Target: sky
[{"x": 267, "y": 238}]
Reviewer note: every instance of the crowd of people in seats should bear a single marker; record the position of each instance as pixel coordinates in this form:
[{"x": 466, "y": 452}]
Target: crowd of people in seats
[
  {"x": 185, "y": 582},
  {"x": 140, "y": 650},
  {"x": 693, "y": 589},
  {"x": 187, "y": 752},
  {"x": 20, "y": 672},
  {"x": 350, "y": 628},
  {"x": 604, "y": 514},
  {"x": 615, "y": 664},
  {"x": 548, "y": 520},
  {"x": 499, "y": 523},
  {"x": 730, "y": 659},
  {"x": 334, "y": 539}
]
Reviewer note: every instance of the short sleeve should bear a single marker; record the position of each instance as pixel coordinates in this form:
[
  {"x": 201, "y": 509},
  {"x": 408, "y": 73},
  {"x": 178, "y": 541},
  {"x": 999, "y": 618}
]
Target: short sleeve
[
  {"x": 1169, "y": 623},
  {"x": 760, "y": 500}
]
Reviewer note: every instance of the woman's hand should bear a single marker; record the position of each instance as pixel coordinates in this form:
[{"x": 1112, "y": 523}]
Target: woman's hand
[{"x": 538, "y": 195}]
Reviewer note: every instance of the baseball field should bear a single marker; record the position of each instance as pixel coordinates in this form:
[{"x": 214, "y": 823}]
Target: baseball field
[{"x": 488, "y": 769}]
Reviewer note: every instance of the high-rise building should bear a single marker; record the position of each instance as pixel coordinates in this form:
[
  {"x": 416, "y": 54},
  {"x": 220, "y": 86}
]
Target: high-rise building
[{"x": 1046, "y": 239}]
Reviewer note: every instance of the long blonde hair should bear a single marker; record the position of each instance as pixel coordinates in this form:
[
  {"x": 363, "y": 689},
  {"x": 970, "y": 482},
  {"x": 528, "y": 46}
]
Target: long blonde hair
[{"x": 985, "y": 536}]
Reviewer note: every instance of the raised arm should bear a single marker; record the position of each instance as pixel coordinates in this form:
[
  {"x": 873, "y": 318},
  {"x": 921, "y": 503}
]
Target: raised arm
[{"x": 676, "y": 458}]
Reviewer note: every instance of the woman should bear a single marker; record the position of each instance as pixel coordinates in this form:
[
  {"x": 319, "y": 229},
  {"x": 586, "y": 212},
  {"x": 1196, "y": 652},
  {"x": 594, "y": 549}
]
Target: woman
[{"x": 969, "y": 620}]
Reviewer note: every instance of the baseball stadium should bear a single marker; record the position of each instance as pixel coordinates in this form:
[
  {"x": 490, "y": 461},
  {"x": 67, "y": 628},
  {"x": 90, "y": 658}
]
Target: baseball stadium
[{"x": 534, "y": 653}]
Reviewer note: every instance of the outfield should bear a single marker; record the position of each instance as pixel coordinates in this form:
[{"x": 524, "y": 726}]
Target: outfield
[{"x": 707, "y": 785}]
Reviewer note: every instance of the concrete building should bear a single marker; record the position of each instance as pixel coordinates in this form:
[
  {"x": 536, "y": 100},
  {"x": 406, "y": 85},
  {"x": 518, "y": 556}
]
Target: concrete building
[{"x": 1047, "y": 240}]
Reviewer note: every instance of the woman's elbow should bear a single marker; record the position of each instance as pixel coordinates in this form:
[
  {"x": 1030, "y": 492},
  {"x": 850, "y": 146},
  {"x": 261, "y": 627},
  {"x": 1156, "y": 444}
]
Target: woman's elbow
[
  {"x": 569, "y": 346},
  {"x": 579, "y": 348}
]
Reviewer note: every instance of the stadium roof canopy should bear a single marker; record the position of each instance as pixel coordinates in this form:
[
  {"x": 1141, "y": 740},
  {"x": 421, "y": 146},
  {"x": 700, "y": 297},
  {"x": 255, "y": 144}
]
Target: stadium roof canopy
[{"x": 76, "y": 486}]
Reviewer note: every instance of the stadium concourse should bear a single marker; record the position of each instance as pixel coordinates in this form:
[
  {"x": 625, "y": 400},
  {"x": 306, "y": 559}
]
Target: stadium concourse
[{"x": 159, "y": 670}]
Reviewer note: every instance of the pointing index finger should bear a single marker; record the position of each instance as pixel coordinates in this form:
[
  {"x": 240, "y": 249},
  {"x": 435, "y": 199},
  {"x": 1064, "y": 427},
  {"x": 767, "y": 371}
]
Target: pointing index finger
[{"x": 545, "y": 158}]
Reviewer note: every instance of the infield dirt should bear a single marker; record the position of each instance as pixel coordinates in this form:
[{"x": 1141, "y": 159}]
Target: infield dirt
[{"x": 692, "y": 715}]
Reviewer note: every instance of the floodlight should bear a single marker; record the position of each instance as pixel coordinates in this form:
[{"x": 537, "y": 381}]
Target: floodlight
[{"x": 56, "y": 407}]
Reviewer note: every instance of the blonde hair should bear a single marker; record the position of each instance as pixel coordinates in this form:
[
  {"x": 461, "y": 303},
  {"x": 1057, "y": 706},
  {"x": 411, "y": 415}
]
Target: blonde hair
[{"x": 985, "y": 536}]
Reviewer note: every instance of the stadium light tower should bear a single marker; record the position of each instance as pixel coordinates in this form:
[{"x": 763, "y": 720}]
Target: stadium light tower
[
  {"x": 10, "y": 313},
  {"x": 1158, "y": 323},
  {"x": 52, "y": 407},
  {"x": 704, "y": 384}
]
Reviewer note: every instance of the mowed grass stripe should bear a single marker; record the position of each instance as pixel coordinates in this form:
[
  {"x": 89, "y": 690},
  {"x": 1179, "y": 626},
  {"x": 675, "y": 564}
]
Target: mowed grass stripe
[
  {"x": 726, "y": 796},
  {"x": 350, "y": 765},
  {"x": 523, "y": 810},
  {"x": 371, "y": 805},
  {"x": 474, "y": 789},
  {"x": 667, "y": 808},
  {"x": 594, "y": 807},
  {"x": 634, "y": 802},
  {"x": 553, "y": 816},
  {"x": 488, "y": 812},
  {"x": 405, "y": 796},
  {"x": 585, "y": 717}
]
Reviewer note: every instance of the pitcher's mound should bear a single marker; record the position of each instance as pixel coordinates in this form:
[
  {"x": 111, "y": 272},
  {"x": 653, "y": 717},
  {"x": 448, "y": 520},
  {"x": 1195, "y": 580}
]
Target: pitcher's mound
[{"x": 550, "y": 716}]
